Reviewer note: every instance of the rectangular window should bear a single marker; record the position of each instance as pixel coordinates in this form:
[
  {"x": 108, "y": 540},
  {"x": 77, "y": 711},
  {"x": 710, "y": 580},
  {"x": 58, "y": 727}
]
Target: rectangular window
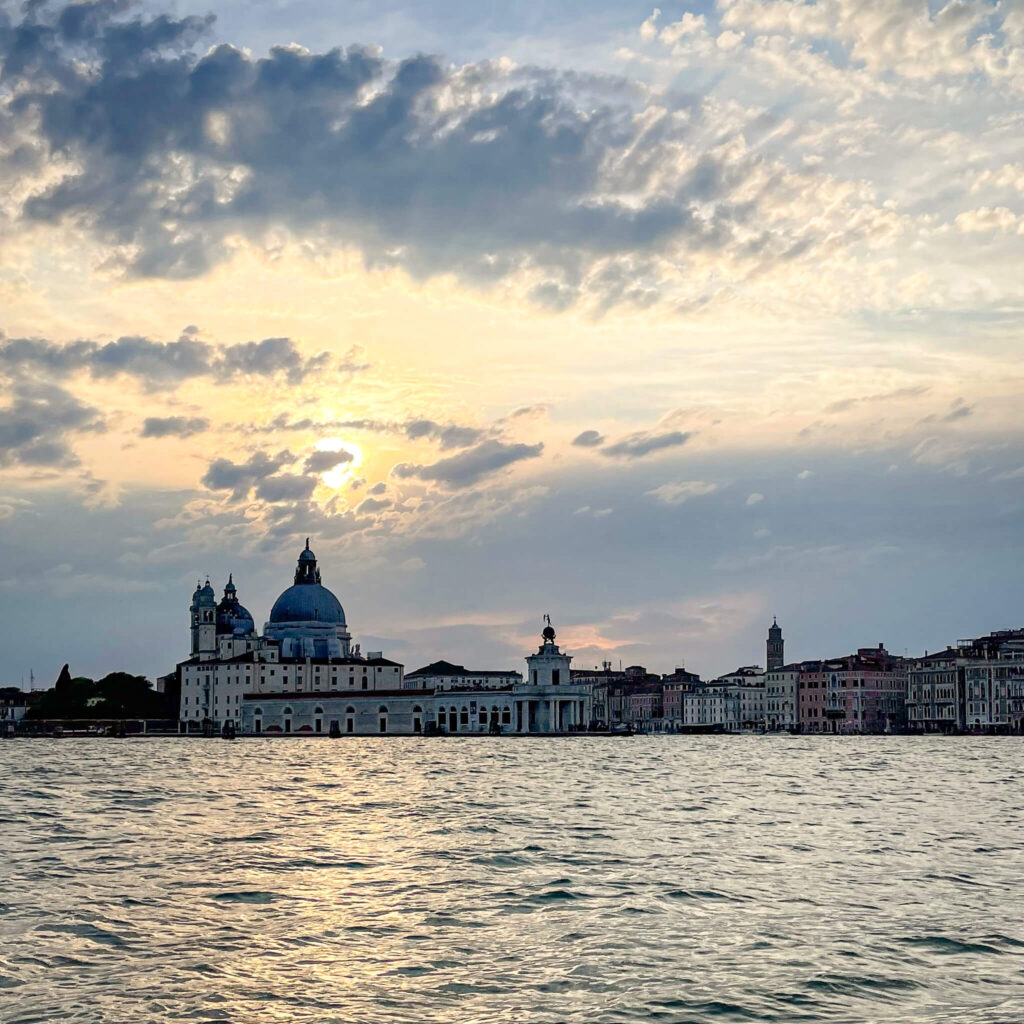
[{"x": 555, "y": 676}]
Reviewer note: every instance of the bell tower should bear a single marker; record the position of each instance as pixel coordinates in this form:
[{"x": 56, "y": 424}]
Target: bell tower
[
  {"x": 203, "y": 611},
  {"x": 775, "y": 658}
]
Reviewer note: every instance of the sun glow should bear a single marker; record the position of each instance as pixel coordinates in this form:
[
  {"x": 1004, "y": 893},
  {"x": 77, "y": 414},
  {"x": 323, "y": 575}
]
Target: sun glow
[{"x": 339, "y": 476}]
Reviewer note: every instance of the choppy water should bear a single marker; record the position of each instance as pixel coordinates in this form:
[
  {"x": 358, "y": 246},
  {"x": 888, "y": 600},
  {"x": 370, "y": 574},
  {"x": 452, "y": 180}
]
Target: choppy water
[{"x": 675, "y": 879}]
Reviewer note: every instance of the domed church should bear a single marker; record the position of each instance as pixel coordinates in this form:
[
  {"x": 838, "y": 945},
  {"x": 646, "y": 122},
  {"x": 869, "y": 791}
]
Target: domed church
[
  {"x": 304, "y": 675},
  {"x": 305, "y": 648},
  {"x": 307, "y": 619}
]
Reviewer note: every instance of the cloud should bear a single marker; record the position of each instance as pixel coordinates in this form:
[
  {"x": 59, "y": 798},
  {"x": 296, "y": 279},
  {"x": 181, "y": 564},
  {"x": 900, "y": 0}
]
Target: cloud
[
  {"x": 36, "y": 423},
  {"x": 588, "y": 439},
  {"x": 805, "y": 474},
  {"x": 641, "y": 443},
  {"x": 470, "y": 466},
  {"x": 322, "y": 461},
  {"x": 576, "y": 182},
  {"x": 678, "y": 493},
  {"x": 240, "y": 477},
  {"x": 370, "y": 505},
  {"x": 447, "y": 435},
  {"x": 378, "y": 488},
  {"x": 958, "y": 411},
  {"x": 268, "y": 357},
  {"x": 159, "y": 363},
  {"x": 754, "y": 499},
  {"x": 285, "y": 488},
  {"x": 174, "y": 426},
  {"x": 912, "y": 391}
]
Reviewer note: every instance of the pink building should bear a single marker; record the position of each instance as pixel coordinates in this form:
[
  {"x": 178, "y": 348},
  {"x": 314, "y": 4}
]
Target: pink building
[{"x": 860, "y": 693}]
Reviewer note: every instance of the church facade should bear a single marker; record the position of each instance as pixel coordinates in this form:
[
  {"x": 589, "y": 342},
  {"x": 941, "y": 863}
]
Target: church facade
[{"x": 303, "y": 676}]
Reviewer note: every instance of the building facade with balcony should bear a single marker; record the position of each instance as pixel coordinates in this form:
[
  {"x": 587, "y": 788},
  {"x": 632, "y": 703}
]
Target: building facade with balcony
[{"x": 935, "y": 692}]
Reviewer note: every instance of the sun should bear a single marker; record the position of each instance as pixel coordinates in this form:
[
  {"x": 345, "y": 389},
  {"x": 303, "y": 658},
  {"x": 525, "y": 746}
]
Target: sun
[{"x": 343, "y": 472}]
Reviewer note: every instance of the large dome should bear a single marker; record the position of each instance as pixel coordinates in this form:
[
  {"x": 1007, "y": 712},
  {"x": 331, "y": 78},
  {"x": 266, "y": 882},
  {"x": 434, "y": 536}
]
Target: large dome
[{"x": 308, "y": 602}]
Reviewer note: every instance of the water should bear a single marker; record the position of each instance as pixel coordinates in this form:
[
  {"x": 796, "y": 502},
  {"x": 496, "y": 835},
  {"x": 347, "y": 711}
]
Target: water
[{"x": 675, "y": 879}]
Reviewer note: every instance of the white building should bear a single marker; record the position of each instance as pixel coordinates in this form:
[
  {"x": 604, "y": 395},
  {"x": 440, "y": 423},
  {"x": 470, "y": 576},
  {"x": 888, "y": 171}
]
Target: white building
[
  {"x": 712, "y": 708},
  {"x": 993, "y": 668},
  {"x": 747, "y": 683},
  {"x": 782, "y": 699},
  {"x": 303, "y": 675},
  {"x": 443, "y": 675},
  {"x": 305, "y": 649}
]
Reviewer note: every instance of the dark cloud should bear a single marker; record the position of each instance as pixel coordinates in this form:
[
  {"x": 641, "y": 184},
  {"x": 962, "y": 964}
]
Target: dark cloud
[
  {"x": 268, "y": 357},
  {"x": 35, "y": 425},
  {"x": 959, "y": 411},
  {"x": 468, "y": 467},
  {"x": 635, "y": 446},
  {"x": 480, "y": 170},
  {"x": 588, "y": 439},
  {"x": 447, "y": 435},
  {"x": 378, "y": 488},
  {"x": 369, "y": 505},
  {"x": 174, "y": 426},
  {"x": 162, "y": 363},
  {"x": 285, "y": 488},
  {"x": 241, "y": 477},
  {"x": 321, "y": 462}
]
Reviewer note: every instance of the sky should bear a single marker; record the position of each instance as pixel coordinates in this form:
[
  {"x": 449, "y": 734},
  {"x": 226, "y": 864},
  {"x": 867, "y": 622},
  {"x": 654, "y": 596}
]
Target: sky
[{"x": 664, "y": 321}]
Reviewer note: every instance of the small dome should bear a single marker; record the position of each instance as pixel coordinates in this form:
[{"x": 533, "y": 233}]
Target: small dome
[
  {"x": 204, "y": 597},
  {"x": 548, "y": 633},
  {"x": 308, "y": 602},
  {"x": 233, "y": 619}
]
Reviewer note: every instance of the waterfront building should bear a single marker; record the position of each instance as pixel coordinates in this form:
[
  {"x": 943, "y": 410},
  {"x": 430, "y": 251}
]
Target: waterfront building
[
  {"x": 935, "y": 692},
  {"x": 782, "y": 698},
  {"x": 601, "y": 682},
  {"x": 548, "y": 701},
  {"x": 303, "y": 674},
  {"x": 443, "y": 675},
  {"x": 993, "y": 668},
  {"x": 711, "y": 708},
  {"x": 859, "y": 693},
  {"x": 611, "y": 695},
  {"x": 673, "y": 687},
  {"x": 644, "y": 709},
  {"x": 747, "y": 683},
  {"x": 305, "y": 649}
]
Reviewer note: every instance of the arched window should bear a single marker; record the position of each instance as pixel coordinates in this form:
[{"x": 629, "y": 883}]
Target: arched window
[
  {"x": 350, "y": 710},
  {"x": 318, "y": 710},
  {"x": 506, "y": 716},
  {"x": 383, "y": 709},
  {"x": 417, "y": 710},
  {"x": 464, "y": 715},
  {"x": 258, "y": 711},
  {"x": 287, "y": 711}
]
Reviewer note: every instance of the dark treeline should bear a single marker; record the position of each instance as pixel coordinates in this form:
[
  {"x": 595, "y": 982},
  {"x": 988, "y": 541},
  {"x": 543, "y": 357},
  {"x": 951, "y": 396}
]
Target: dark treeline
[{"x": 116, "y": 695}]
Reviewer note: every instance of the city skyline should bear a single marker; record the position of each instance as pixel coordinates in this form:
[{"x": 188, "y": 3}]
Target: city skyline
[{"x": 662, "y": 321}]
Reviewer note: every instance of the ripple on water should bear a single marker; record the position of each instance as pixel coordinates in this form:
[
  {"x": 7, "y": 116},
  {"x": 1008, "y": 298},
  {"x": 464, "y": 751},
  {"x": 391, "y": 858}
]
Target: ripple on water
[{"x": 684, "y": 879}]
